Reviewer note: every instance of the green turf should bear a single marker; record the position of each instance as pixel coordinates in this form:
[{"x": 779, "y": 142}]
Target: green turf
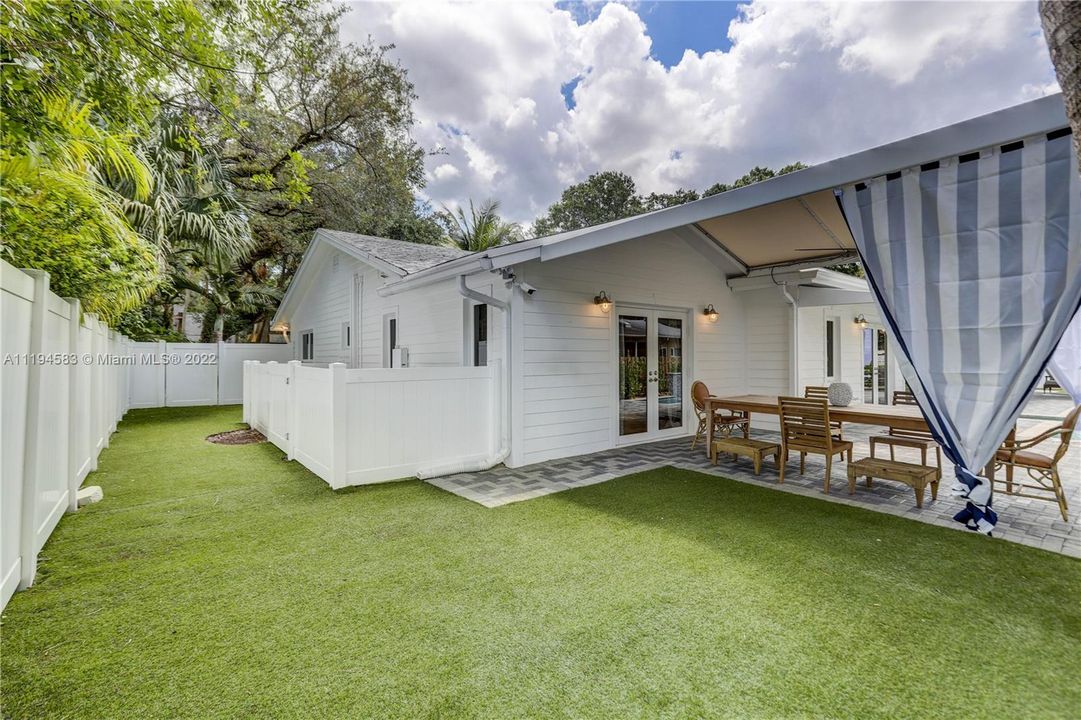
[{"x": 225, "y": 582}]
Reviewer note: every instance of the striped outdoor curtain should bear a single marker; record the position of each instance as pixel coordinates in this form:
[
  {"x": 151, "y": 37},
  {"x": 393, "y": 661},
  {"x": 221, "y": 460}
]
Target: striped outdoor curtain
[
  {"x": 1065, "y": 364},
  {"x": 975, "y": 263}
]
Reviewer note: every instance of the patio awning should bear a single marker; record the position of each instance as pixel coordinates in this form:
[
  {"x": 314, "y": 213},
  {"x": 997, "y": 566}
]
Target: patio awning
[{"x": 975, "y": 264}]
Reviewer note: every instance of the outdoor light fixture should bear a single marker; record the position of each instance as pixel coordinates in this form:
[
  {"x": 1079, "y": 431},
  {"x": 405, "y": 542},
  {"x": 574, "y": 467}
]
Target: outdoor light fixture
[
  {"x": 604, "y": 301},
  {"x": 710, "y": 312},
  {"x": 861, "y": 320},
  {"x": 282, "y": 327}
]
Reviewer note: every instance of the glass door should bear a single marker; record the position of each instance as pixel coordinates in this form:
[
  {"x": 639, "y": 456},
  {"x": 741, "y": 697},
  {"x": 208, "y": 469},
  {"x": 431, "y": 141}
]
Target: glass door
[
  {"x": 650, "y": 374},
  {"x": 875, "y": 363}
]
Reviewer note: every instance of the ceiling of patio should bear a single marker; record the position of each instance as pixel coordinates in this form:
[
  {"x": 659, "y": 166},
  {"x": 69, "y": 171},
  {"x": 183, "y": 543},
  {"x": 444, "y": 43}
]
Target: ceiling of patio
[{"x": 805, "y": 228}]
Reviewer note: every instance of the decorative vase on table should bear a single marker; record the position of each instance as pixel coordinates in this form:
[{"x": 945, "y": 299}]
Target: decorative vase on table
[{"x": 840, "y": 394}]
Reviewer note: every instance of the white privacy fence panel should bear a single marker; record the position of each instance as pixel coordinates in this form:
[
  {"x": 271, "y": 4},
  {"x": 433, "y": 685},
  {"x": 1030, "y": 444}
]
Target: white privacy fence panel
[
  {"x": 353, "y": 427},
  {"x": 63, "y": 385},
  {"x": 180, "y": 374}
]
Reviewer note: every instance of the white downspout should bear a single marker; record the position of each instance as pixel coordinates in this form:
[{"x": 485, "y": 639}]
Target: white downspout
[
  {"x": 794, "y": 354},
  {"x": 491, "y": 461}
]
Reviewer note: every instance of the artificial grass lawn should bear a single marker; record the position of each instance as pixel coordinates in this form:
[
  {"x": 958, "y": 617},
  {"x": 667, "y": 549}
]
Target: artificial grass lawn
[{"x": 220, "y": 581}]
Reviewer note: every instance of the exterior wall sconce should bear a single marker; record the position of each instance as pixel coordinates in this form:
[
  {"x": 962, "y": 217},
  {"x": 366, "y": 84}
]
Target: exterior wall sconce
[
  {"x": 861, "y": 321},
  {"x": 603, "y": 301},
  {"x": 711, "y": 313},
  {"x": 282, "y": 327}
]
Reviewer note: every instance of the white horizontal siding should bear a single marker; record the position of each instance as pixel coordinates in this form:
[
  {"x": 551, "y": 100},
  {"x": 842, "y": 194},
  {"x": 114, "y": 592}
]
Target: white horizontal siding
[{"x": 566, "y": 396}]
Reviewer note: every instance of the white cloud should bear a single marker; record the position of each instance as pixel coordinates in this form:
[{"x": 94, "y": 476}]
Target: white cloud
[
  {"x": 802, "y": 81},
  {"x": 445, "y": 172}
]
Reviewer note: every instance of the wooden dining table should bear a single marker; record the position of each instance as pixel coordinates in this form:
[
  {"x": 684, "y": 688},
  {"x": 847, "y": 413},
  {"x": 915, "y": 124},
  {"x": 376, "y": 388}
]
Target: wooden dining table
[{"x": 902, "y": 417}]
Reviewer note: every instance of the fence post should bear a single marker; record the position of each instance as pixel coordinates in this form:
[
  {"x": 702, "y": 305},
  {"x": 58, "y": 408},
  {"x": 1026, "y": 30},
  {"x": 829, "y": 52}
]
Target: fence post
[
  {"x": 245, "y": 389},
  {"x": 95, "y": 392},
  {"x": 28, "y": 557},
  {"x": 74, "y": 392},
  {"x": 220, "y": 366},
  {"x": 292, "y": 420},
  {"x": 339, "y": 416},
  {"x": 163, "y": 369}
]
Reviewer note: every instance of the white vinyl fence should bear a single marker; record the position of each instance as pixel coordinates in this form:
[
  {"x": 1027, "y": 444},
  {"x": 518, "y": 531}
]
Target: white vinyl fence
[
  {"x": 353, "y": 427},
  {"x": 64, "y": 386},
  {"x": 179, "y": 374}
]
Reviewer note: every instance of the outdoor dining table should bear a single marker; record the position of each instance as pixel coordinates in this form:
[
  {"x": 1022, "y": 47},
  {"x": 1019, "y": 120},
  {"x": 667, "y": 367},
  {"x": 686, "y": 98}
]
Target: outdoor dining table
[{"x": 902, "y": 417}]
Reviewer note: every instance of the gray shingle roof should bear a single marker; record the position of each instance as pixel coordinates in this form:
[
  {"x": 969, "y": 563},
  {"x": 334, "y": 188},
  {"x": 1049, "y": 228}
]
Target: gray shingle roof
[{"x": 409, "y": 257}]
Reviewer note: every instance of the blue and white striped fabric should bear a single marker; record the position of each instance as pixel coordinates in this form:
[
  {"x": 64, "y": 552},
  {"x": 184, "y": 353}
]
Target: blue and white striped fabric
[{"x": 975, "y": 262}]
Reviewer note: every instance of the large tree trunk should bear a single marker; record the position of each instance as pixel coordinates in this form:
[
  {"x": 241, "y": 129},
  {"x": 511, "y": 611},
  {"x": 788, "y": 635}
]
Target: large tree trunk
[{"x": 1062, "y": 28}]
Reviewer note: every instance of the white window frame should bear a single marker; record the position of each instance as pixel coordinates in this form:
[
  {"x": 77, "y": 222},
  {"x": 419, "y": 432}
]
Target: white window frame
[
  {"x": 473, "y": 342},
  {"x": 307, "y": 344},
  {"x": 388, "y": 348},
  {"x": 346, "y": 335},
  {"x": 837, "y": 372}
]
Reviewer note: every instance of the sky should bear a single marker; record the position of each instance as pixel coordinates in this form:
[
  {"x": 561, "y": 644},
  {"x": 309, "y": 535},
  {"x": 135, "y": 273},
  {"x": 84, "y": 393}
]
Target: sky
[{"x": 521, "y": 99}]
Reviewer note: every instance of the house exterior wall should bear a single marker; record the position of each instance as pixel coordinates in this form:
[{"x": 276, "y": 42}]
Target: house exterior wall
[
  {"x": 565, "y": 360},
  {"x": 432, "y": 320},
  {"x": 812, "y": 344}
]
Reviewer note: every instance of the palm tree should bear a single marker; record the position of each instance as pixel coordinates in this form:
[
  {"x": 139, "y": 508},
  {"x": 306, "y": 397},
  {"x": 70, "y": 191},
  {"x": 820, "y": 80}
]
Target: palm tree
[
  {"x": 1062, "y": 28},
  {"x": 481, "y": 229},
  {"x": 191, "y": 216}
]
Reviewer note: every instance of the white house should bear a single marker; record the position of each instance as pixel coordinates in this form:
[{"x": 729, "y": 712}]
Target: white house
[{"x": 603, "y": 329}]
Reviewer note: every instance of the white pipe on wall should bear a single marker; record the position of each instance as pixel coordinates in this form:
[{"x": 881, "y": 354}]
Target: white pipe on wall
[
  {"x": 500, "y": 455},
  {"x": 793, "y": 354}
]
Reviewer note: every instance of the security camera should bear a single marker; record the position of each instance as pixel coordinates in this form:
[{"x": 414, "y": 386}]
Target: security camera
[{"x": 527, "y": 288}]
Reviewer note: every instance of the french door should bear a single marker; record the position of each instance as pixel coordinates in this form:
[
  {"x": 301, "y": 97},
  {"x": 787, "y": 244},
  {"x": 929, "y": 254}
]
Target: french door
[
  {"x": 875, "y": 363},
  {"x": 651, "y": 368}
]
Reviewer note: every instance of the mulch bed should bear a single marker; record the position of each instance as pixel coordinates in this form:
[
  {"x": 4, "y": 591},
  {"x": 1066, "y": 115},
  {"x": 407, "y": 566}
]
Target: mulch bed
[{"x": 244, "y": 436}]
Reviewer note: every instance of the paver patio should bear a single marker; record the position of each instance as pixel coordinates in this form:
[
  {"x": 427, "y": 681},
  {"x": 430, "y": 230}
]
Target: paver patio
[{"x": 1022, "y": 520}]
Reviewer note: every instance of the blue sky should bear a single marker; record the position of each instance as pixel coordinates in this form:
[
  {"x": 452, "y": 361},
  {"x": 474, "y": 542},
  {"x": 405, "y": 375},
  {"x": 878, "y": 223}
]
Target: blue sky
[
  {"x": 679, "y": 26},
  {"x": 674, "y": 25}
]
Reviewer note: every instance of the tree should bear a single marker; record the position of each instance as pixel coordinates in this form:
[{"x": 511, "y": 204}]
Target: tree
[
  {"x": 1062, "y": 28},
  {"x": 60, "y": 216},
  {"x": 755, "y": 174},
  {"x": 603, "y": 197},
  {"x": 481, "y": 229},
  {"x": 82, "y": 82},
  {"x": 657, "y": 201}
]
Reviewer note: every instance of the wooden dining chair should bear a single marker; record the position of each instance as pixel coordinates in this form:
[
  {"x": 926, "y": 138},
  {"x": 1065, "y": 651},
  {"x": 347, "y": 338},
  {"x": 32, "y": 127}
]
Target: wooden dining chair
[
  {"x": 822, "y": 392},
  {"x": 805, "y": 428},
  {"x": 723, "y": 421},
  {"x": 1042, "y": 470},
  {"x": 921, "y": 440}
]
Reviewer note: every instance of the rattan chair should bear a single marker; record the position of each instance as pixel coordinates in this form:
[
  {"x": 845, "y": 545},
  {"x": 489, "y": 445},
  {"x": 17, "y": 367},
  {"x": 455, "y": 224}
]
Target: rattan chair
[
  {"x": 805, "y": 428},
  {"x": 1045, "y": 482},
  {"x": 723, "y": 421}
]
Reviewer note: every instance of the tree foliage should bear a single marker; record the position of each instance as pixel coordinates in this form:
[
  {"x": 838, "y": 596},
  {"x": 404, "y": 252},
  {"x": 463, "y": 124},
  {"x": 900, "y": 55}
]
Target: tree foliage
[
  {"x": 610, "y": 195},
  {"x": 601, "y": 198},
  {"x": 755, "y": 174},
  {"x": 481, "y": 229},
  {"x": 227, "y": 130}
]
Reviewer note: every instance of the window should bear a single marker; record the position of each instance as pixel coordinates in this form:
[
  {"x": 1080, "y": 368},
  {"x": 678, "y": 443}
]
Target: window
[
  {"x": 307, "y": 345},
  {"x": 347, "y": 338},
  {"x": 480, "y": 335},
  {"x": 390, "y": 338},
  {"x": 833, "y": 349}
]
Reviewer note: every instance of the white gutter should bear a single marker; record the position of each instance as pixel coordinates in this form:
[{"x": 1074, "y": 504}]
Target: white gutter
[
  {"x": 794, "y": 355},
  {"x": 460, "y": 466}
]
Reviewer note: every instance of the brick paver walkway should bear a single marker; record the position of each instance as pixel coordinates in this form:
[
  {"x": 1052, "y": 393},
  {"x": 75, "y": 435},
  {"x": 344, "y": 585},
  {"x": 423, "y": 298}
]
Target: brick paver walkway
[{"x": 1022, "y": 520}]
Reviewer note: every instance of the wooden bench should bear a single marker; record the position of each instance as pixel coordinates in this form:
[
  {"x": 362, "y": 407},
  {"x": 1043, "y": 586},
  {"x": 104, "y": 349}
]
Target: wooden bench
[
  {"x": 915, "y": 476},
  {"x": 754, "y": 449}
]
